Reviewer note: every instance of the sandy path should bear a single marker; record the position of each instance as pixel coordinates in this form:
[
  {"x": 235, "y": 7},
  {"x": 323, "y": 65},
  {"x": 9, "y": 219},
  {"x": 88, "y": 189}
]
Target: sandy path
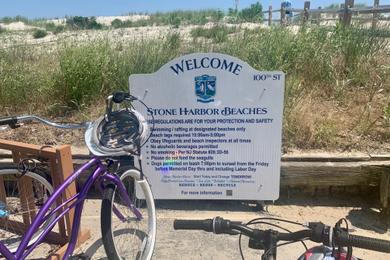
[{"x": 201, "y": 245}]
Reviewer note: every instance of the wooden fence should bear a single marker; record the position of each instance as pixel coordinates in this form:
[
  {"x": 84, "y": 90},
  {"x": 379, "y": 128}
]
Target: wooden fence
[{"x": 346, "y": 13}]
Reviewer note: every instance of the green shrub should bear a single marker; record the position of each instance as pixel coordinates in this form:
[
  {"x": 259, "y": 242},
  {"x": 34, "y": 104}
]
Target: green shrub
[
  {"x": 39, "y": 34},
  {"x": 2, "y": 29},
  {"x": 18, "y": 18},
  {"x": 82, "y": 23},
  {"x": 59, "y": 29},
  {"x": 50, "y": 26},
  {"x": 174, "y": 19},
  {"x": 117, "y": 23},
  {"x": 217, "y": 33},
  {"x": 139, "y": 23},
  {"x": 26, "y": 80},
  {"x": 254, "y": 13},
  {"x": 83, "y": 71}
]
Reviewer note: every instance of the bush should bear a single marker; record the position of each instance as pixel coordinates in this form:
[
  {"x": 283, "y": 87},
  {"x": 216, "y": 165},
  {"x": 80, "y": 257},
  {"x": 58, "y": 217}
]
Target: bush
[
  {"x": 218, "y": 33},
  {"x": 174, "y": 20},
  {"x": 50, "y": 26},
  {"x": 26, "y": 78},
  {"x": 82, "y": 23},
  {"x": 59, "y": 29},
  {"x": 18, "y": 18},
  {"x": 2, "y": 29},
  {"x": 82, "y": 71},
  {"x": 39, "y": 34},
  {"x": 254, "y": 13},
  {"x": 117, "y": 23}
]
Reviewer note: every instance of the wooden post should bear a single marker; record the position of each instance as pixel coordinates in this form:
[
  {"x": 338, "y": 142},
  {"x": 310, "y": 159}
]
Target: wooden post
[
  {"x": 282, "y": 14},
  {"x": 306, "y": 9},
  {"x": 347, "y": 12},
  {"x": 341, "y": 13},
  {"x": 318, "y": 16},
  {"x": 375, "y": 15},
  {"x": 24, "y": 188},
  {"x": 57, "y": 182},
  {"x": 3, "y": 197},
  {"x": 65, "y": 164},
  {"x": 2, "y": 190},
  {"x": 270, "y": 15}
]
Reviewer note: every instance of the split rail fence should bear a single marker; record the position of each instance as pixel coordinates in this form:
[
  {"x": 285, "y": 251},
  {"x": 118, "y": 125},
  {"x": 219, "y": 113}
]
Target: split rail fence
[{"x": 345, "y": 14}]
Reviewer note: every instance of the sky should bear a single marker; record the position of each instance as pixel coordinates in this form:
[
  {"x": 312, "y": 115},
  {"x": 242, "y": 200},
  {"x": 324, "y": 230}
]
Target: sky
[{"x": 60, "y": 8}]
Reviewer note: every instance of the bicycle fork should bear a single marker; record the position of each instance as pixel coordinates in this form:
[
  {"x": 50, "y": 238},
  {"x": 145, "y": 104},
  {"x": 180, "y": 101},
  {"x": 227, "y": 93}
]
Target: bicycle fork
[{"x": 126, "y": 197}]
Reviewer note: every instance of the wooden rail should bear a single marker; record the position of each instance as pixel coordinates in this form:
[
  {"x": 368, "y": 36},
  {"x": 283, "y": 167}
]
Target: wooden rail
[
  {"x": 346, "y": 13},
  {"x": 323, "y": 171},
  {"x": 330, "y": 171}
]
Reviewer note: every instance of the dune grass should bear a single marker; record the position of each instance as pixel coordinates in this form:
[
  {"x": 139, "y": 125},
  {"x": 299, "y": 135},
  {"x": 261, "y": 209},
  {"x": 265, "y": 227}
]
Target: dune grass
[{"x": 337, "y": 89}]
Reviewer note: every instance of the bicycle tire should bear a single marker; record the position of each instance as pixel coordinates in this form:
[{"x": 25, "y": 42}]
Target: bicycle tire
[
  {"x": 42, "y": 189},
  {"x": 142, "y": 244}
]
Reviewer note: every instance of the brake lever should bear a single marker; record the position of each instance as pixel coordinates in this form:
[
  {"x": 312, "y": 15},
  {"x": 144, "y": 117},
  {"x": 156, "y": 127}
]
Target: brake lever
[{"x": 14, "y": 126}]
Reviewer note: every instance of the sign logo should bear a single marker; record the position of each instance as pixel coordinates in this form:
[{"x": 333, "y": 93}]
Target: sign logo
[{"x": 205, "y": 88}]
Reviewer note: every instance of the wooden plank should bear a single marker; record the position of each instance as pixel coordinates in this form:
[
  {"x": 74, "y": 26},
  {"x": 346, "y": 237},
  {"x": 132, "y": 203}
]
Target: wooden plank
[
  {"x": 282, "y": 15},
  {"x": 56, "y": 183},
  {"x": 3, "y": 194},
  {"x": 3, "y": 197},
  {"x": 83, "y": 236},
  {"x": 27, "y": 148},
  {"x": 327, "y": 157},
  {"x": 21, "y": 228},
  {"x": 270, "y": 15},
  {"x": 331, "y": 173},
  {"x": 347, "y": 12},
  {"x": 375, "y": 16},
  {"x": 65, "y": 166},
  {"x": 384, "y": 190},
  {"x": 306, "y": 12},
  {"x": 17, "y": 156},
  {"x": 26, "y": 195}
]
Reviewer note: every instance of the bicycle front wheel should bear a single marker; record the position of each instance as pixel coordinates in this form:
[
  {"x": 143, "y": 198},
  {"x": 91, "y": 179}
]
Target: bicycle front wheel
[
  {"x": 126, "y": 237},
  {"x": 21, "y": 197}
]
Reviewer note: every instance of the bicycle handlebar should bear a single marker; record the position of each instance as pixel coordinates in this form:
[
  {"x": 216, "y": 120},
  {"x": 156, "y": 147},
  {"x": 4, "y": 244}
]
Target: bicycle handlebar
[
  {"x": 116, "y": 97},
  {"x": 13, "y": 121},
  {"x": 317, "y": 232},
  {"x": 364, "y": 242},
  {"x": 205, "y": 224}
]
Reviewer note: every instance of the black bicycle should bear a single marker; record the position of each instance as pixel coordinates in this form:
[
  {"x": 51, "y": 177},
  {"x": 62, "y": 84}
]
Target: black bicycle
[{"x": 333, "y": 239}]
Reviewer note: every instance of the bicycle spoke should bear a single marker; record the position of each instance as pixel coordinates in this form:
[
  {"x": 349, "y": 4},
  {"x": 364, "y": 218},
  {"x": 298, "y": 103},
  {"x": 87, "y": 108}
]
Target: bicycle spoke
[{"x": 21, "y": 206}]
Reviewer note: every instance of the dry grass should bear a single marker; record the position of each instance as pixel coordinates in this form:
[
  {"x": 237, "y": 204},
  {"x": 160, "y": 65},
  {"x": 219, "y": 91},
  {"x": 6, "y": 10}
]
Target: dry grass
[{"x": 337, "y": 88}]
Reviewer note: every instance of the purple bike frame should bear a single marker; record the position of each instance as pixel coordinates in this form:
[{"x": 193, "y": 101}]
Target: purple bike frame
[{"x": 100, "y": 174}]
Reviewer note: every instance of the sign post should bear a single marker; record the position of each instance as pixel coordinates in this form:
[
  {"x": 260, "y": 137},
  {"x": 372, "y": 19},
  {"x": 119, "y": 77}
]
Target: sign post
[{"x": 217, "y": 128}]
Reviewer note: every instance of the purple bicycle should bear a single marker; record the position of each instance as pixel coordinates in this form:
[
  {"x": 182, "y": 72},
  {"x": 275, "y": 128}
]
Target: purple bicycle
[{"x": 128, "y": 217}]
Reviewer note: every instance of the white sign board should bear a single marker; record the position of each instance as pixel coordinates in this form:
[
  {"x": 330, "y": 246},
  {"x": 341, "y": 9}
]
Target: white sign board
[{"x": 217, "y": 128}]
